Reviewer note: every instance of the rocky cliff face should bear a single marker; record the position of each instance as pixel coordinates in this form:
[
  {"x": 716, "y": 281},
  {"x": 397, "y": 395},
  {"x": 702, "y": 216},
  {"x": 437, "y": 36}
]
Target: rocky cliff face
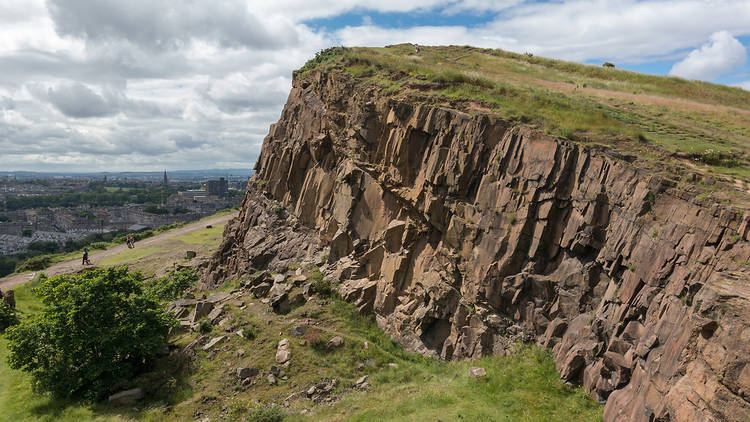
[{"x": 460, "y": 232}]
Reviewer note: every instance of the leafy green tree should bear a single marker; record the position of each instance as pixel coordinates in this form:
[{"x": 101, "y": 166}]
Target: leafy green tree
[
  {"x": 7, "y": 265},
  {"x": 8, "y": 316},
  {"x": 97, "y": 329},
  {"x": 173, "y": 285}
]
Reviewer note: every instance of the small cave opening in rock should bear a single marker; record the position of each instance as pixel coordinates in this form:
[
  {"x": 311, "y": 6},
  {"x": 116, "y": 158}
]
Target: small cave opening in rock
[{"x": 434, "y": 334}]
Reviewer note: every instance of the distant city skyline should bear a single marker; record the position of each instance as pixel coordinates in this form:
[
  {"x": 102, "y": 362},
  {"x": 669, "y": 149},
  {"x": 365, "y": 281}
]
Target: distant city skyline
[{"x": 152, "y": 85}]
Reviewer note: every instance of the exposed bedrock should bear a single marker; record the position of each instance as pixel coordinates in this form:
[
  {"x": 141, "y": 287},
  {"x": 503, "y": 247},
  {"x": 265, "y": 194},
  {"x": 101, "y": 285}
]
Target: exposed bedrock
[{"x": 462, "y": 233}]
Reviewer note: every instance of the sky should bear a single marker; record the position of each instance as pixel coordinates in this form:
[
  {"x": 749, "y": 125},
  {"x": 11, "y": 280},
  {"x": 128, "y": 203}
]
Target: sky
[{"x": 146, "y": 85}]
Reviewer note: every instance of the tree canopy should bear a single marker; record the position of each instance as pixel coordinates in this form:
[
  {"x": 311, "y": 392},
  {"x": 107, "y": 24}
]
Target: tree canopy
[{"x": 96, "y": 330}]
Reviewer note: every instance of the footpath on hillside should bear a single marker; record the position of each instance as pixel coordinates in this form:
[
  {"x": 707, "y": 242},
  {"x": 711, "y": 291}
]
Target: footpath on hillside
[{"x": 73, "y": 265}]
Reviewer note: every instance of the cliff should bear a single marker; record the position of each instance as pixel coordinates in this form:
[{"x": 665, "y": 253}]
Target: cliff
[{"x": 462, "y": 232}]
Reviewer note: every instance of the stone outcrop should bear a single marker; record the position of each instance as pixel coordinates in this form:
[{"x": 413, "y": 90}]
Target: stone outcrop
[{"x": 460, "y": 231}]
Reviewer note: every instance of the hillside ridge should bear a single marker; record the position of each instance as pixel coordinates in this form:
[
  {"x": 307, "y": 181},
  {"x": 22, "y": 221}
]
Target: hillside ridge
[{"x": 453, "y": 223}]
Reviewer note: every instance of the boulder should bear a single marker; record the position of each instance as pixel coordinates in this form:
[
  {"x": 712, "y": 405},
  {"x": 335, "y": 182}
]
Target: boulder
[
  {"x": 261, "y": 290},
  {"x": 283, "y": 351},
  {"x": 126, "y": 397},
  {"x": 213, "y": 342},
  {"x": 246, "y": 372},
  {"x": 215, "y": 313},
  {"x": 361, "y": 382},
  {"x": 477, "y": 372},
  {"x": 297, "y": 299},
  {"x": 280, "y": 304},
  {"x": 9, "y": 297},
  {"x": 335, "y": 342},
  {"x": 201, "y": 310},
  {"x": 298, "y": 330},
  {"x": 218, "y": 297},
  {"x": 299, "y": 280}
]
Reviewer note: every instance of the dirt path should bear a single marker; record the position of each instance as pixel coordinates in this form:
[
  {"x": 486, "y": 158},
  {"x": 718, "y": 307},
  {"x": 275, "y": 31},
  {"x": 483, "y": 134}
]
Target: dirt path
[{"x": 75, "y": 264}]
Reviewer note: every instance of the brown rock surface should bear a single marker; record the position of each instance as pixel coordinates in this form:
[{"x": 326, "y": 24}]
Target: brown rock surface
[{"x": 461, "y": 231}]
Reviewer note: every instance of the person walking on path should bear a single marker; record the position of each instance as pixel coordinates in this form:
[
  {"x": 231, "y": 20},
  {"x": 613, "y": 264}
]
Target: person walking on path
[
  {"x": 131, "y": 241},
  {"x": 85, "y": 260}
]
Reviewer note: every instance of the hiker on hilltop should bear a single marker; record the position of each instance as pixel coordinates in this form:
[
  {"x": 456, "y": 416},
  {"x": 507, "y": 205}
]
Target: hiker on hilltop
[
  {"x": 85, "y": 260},
  {"x": 416, "y": 48}
]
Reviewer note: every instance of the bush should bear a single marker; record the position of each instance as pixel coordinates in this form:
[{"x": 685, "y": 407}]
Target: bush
[
  {"x": 204, "y": 327},
  {"x": 96, "y": 330},
  {"x": 173, "y": 285},
  {"x": 323, "y": 57},
  {"x": 43, "y": 247},
  {"x": 7, "y": 265},
  {"x": 268, "y": 414},
  {"x": 153, "y": 209},
  {"x": 8, "y": 316},
  {"x": 249, "y": 332},
  {"x": 320, "y": 285},
  {"x": 99, "y": 245},
  {"x": 34, "y": 264}
]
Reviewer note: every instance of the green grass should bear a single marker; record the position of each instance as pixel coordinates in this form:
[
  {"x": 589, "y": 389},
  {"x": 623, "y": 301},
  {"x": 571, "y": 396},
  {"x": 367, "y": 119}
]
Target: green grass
[
  {"x": 522, "y": 387},
  {"x": 203, "y": 236},
  {"x": 127, "y": 256}
]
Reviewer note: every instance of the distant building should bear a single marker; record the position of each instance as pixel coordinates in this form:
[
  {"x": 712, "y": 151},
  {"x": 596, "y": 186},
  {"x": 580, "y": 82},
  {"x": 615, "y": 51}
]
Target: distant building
[
  {"x": 193, "y": 195},
  {"x": 166, "y": 181},
  {"x": 218, "y": 188}
]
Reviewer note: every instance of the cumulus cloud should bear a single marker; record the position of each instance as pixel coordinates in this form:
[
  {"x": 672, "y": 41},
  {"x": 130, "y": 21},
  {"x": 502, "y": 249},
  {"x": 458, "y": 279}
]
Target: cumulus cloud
[
  {"x": 165, "y": 24},
  {"x": 78, "y": 100},
  {"x": 744, "y": 85},
  {"x": 719, "y": 55}
]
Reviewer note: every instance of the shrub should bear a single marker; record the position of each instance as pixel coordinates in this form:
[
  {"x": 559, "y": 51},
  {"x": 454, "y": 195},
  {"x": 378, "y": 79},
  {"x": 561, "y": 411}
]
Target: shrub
[
  {"x": 268, "y": 414},
  {"x": 320, "y": 285},
  {"x": 7, "y": 265},
  {"x": 316, "y": 340},
  {"x": 8, "y": 316},
  {"x": 34, "y": 264},
  {"x": 278, "y": 209},
  {"x": 249, "y": 332},
  {"x": 43, "y": 247},
  {"x": 204, "y": 327},
  {"x": 99, "y": 245},
  {"x": 153, "y": 209},
  {"x": 173, "y": 285},
  {"x": 95, "y": 330},
  {"x": 323, "y": 57}
]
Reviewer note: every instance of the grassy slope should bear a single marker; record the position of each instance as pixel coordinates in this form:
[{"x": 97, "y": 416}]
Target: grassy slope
[
  {"x": 17, "y": 401},
  {"x": 523, "y": 387},
  {"x": 674, "y": 125}
]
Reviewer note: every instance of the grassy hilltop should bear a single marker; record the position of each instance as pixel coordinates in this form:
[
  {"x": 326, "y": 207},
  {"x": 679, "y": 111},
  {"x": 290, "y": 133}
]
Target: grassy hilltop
[{"x": 681, "y": 128}]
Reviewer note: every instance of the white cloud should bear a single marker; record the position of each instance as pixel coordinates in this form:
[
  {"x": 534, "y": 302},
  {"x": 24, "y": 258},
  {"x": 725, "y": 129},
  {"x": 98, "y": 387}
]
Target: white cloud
[
  {"x": 721, "y": 54},
  {"x": 477, "y": 6},
  {"x": 620, "y": 30},
  {"x": 744, "y": 85},
  {"x": 163, "y": 84}
]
